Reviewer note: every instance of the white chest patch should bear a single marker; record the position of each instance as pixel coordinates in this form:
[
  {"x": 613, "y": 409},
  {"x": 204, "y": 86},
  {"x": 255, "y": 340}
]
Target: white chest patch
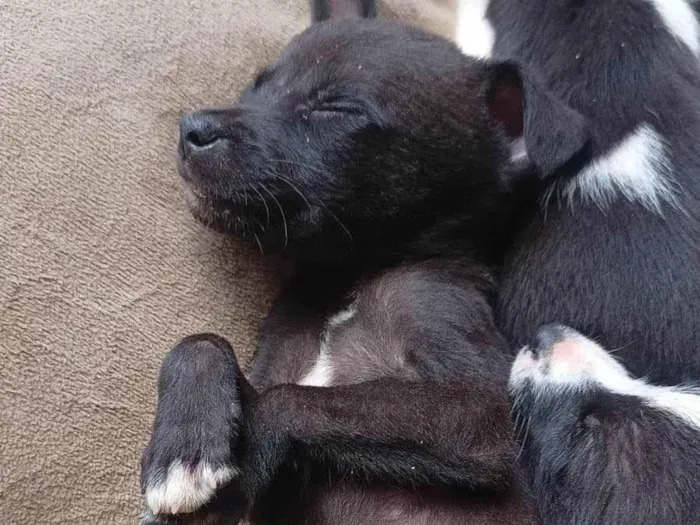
[
  {"x": 679, "y": 18},
  {"x": 637, "y": 169},
  {"x": 475, "y": 35},
  {"x": 321, "y": 374}
]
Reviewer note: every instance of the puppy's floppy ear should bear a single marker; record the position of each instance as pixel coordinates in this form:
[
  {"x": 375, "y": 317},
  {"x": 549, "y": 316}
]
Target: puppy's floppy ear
[
  {"x": 342, "y": 9},
  {"x": 541, "y": 128}
]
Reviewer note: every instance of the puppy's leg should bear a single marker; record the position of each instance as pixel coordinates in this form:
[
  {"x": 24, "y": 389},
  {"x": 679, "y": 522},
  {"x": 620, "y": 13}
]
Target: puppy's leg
[
  {"x": 403, "y": 433},
  {"x": 434, "y": 413},
  {"x": 189, "y": 456},
  {"x": 416, "y": 398}
]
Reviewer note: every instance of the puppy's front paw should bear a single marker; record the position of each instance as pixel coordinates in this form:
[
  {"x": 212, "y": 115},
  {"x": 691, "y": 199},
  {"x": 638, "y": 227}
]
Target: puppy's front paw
[
  {"x": 177, "y": 488},
  {"x": 189, "y": 458}
]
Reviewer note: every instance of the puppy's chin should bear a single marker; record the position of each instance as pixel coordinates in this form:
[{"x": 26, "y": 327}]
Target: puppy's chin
[{"x": 219, "y": 214}]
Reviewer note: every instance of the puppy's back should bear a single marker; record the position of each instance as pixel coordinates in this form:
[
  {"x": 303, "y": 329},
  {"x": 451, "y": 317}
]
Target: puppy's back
[{"x": 614, "y": 246}]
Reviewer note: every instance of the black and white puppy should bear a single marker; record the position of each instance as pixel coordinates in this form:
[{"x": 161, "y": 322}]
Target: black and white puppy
[
  {"x": 377, "y": 159},
  {"x": 600, "y": 447},
  {"x": 613, "y": 250}
]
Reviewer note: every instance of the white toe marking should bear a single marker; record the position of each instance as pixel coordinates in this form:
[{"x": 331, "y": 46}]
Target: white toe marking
[
  {"x": 680, "y": 20},
  {"x": 321, "y": 374},
  {"x": 185, "y": 488},
  {"x": 583, "y": 362},
  {"x": 638, "y": 169},
  {"x": 475, "y": 35}
]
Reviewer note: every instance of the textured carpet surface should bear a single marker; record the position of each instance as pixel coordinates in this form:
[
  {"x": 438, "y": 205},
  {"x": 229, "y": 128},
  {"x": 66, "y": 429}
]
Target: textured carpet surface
[{"x": 101, "y": 267}]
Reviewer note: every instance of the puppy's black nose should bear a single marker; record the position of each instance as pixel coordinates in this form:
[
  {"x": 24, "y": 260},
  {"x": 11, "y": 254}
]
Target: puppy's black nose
[
  {"x": 200, "y": 130},
  {"x": 546, "y": 337}
]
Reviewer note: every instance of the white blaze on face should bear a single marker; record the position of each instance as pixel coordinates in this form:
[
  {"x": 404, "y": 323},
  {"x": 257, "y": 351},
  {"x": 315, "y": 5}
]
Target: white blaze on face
[
  {"x": 577, "y": 362},
  {"x": 680, "y": 20},
  {"x": 475, "y": 35}
]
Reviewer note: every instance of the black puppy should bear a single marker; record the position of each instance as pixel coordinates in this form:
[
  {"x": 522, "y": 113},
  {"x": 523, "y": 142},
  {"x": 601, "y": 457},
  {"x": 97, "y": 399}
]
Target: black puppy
[
  {"x": 613, "y": 250},
  {"x": 376, "y": 158},
  {"x": 600, "y": 447}
]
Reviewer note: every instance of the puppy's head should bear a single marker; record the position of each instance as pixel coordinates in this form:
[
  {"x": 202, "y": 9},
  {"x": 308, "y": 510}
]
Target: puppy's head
[
  {"x": 599, "y": 445},
  {"x": 560, "y": 357},
  {"x": 363, "y": 131}
]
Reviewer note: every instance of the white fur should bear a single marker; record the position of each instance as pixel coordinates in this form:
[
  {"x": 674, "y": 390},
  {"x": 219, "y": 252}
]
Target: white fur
[
  {"x": 518, "y": 150},
  {"x": 186, "y": 488},
  {"x": 638, "y": 169},
  {"x": 475, "y": 35},
  {"x": 586, "y": 362},
  {"x": 680, "y": 20},
  {"x": 321, "y": 374}
]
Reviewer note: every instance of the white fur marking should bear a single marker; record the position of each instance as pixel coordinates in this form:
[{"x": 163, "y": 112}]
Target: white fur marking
[
  {"x": 680, "y": 20},
  {"x": 342, "y": 317},
  {"x": 588, "y": 362},
  {"x": 321, "y": 373},
  {"x": 518, "y": 150},
  {"x": 186, "y": 488},
  {"x": 638, "y": 169},
  {"x": 474, "y": 34}
]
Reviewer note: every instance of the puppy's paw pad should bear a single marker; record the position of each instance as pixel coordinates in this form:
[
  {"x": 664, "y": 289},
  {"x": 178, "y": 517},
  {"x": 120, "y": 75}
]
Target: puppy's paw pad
[{"x": 184, "y": 488}]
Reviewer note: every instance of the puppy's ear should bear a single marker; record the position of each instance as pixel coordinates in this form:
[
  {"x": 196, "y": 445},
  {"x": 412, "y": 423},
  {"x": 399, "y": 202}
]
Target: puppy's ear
[
  {"x": 342, "y": 9},
  {"x": 542, "y": 129}
]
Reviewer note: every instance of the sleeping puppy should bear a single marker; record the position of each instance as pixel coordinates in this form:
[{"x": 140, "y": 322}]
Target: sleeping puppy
[
  {"x": 601, "y": 447},
  {"x": 375, "y": 158},
  {"x": 613, "y": 249}
]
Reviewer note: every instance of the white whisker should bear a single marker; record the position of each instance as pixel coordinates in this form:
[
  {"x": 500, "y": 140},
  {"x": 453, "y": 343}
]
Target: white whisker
[
  {"x": 283, "y": 179},
  {"x": 257, "y": 240},
  {"x": 284, "y": 219},
  {"x": 262, "y": 198}
]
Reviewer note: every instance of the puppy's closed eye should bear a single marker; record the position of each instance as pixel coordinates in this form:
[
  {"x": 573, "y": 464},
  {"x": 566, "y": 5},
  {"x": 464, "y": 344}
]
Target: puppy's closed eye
[
  {"x": 335, "y": 108},
  {"x": 330, "y": 107}
]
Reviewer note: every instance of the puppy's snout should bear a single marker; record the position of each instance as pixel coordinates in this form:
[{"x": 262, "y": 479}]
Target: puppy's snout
[{"x": 201, "y": 131}]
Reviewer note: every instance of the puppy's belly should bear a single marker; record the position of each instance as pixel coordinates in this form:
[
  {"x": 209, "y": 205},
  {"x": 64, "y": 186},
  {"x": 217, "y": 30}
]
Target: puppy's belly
[{"x": 350, "y": 503}]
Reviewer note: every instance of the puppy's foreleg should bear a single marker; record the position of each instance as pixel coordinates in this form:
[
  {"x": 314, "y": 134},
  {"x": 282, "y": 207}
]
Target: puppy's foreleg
[
  {"x": 189, "y": 458},
  {"x": 397, "y": 432}
]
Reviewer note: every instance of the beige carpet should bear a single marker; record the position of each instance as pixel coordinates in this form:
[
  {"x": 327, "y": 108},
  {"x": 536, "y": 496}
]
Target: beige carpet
[{"x": 101, "y": 267}]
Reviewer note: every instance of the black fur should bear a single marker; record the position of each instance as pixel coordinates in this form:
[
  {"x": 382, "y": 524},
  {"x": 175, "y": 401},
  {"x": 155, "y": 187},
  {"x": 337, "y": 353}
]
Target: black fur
[
  {"x": 376, "y": 158},
  {"x": 367, "y": 143},
  {"x": 623, "y": 273},
  {"x": 415, "y": 423}
]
